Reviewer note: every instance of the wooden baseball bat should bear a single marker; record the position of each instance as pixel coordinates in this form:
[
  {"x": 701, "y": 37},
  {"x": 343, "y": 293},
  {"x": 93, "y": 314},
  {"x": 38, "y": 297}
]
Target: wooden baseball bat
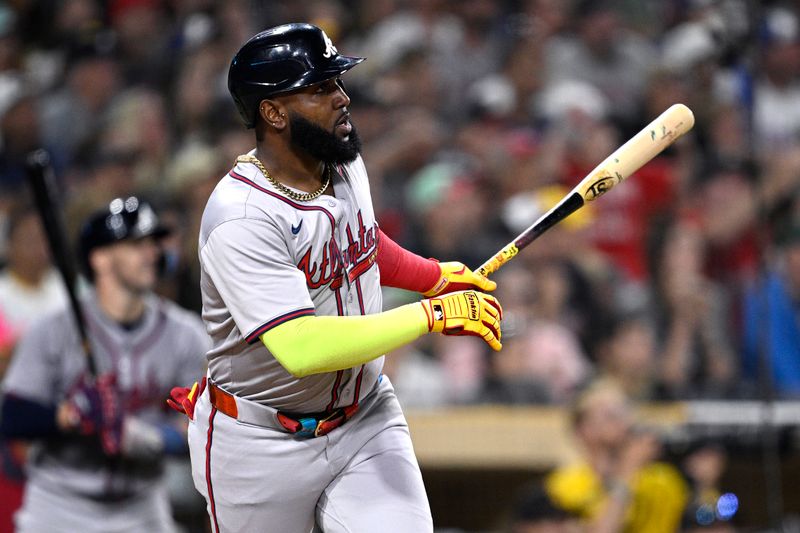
[
  {"x": 40, "y": 178},
  {"x": 624, "y": 161}
]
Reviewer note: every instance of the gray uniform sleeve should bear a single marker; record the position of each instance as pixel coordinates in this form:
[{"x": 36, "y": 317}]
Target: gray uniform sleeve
[
  {"x": 35, "y": 370},
  {"x": 251, "y": 267}
]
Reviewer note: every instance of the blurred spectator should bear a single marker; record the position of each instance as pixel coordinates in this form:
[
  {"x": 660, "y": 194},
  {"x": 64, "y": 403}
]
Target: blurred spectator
[
  {"x": 728, "y": 144},
  {"x": 545, "y": 18},
  {"x": 544, "y": 364},
  {"x": 397, "y": 154},
  {"x": 74, "y": 112},
  {"x": 29, "y": 285},
  {"x": 138, "y": 123},
  {"x": 19, "y": 133},
  {"x": 709, "y": 509},
  {"x": 542, "y": 360},
  {"x": 696, "y": 343},
  {"x": 141, "y": 30},
  {"x": 627, "y": 355},
  {"x": 776, "y": 112},
  {"x": 450, "y": 213},
  {"x": 728, "y": 203},
  {"x": 771, "y": 338},
  {"x": 9, "y": 41},
  {"x": 108, "y": 173},
  {"x": 421, "y": 23},
  {"x": 508, "y": 94},
  {"x": 737, "y": 205},
  {"x": 412, "y": 82},
  {"x": 603, "y": 53},
  {"x": 197, "y": 91},
  {"x": 190, "y": 177},
  {"x": 535, "y": 512},
  {"x": 478, "y": 35},
  {"x": 29, "y": 288},
  {"x": 618, "y": 485}
]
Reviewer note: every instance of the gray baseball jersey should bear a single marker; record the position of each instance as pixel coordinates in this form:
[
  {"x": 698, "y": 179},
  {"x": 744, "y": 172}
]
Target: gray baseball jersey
[
  {"x": 163, "y": 350},
  {"x": 267, "y": 259}
]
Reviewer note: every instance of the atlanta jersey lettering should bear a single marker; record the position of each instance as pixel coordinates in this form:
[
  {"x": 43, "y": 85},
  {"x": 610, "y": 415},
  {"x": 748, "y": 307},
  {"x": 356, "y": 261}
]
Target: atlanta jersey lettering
[{"x": 266, "y": 259}]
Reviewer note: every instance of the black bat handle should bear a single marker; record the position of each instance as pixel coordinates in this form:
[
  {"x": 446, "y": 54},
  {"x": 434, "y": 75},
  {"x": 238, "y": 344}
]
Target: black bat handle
[{"x": 41, "y": 180}]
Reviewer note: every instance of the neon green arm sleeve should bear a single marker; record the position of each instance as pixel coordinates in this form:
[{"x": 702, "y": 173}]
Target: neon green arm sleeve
[{"x": 315, "y": 344}]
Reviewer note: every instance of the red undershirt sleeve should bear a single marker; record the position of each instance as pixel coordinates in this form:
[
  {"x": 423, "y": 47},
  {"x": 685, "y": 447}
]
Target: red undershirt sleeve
[{"x": 403, "y": 269}]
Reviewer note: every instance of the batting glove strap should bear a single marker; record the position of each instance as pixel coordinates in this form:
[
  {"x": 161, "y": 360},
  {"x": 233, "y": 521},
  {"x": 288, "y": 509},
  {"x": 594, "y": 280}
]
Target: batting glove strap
[
  {"x": 456, "y": 276},
  {"x": 466, "y": 313}
]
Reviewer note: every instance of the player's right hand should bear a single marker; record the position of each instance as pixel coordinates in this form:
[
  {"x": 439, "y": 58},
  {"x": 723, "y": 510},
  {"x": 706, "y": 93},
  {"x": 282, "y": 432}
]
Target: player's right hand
[{"x": 466, "y": 313}]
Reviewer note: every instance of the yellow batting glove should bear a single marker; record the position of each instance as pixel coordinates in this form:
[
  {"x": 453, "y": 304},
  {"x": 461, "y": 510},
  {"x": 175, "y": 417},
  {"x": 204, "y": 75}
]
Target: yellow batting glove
[
  {"x": 456, "y": 276},
  {"x": 466, "y": 313}
]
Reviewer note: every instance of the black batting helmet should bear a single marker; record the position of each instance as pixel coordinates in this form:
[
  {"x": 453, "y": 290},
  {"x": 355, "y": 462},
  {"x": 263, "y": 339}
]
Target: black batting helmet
[
  {"x": 282, "y": 59},
  {"x": 123, "y": 219}
]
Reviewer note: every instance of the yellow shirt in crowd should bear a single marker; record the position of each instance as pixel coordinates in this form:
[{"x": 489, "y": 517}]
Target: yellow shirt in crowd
[{"x": 658, "y": 496}]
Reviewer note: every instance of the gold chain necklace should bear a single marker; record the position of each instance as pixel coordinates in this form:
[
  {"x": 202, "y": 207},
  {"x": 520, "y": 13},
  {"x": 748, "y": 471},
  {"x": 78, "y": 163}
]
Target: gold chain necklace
[{"x": 300, "y": 197}]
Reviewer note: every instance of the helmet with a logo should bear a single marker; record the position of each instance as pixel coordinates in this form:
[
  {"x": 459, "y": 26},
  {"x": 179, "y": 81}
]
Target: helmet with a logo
[
  {"x": 123, "y": 219},
  {"x": 282, "y": 59}
]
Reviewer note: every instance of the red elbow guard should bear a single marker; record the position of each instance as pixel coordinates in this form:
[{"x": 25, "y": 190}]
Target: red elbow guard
[{"x": 403, "y": 269}]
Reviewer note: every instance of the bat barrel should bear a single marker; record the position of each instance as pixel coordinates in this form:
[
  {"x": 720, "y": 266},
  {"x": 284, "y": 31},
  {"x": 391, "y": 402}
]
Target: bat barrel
[
  {"x": 634, "y": 154},
  {"x": 624, "y": 161}
]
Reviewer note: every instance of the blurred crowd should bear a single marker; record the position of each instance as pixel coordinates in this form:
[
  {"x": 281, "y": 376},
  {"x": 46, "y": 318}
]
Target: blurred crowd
[{"x": 476, "y": 117}]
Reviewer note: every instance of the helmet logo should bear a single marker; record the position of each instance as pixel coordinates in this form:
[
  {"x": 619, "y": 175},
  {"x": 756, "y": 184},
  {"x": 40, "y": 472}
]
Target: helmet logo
[{"x": 329, "y": 48}]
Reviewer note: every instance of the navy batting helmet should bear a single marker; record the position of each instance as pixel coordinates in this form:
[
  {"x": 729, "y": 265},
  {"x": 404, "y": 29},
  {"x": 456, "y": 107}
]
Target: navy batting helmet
[
  {"x": 282, "y": 59},
  {"x": 123, "y": 219}
]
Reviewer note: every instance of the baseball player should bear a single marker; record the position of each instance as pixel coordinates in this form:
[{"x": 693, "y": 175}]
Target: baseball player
[
  {"x": 296, "y": 427},
  {"x": 96, "y": 461}
]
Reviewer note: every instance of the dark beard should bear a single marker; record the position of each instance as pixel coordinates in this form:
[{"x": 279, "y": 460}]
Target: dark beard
[{"x": 321, "y": 144}]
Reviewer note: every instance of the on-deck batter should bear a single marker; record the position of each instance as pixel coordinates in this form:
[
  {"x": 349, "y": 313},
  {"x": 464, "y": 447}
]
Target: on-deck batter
[
  {"x": 96, "y": 465},
  {"x": 296, "y": 427}
]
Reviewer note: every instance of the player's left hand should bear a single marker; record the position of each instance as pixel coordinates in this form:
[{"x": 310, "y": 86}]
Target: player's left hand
[
  {"x": 455, "y": 276},
  {"x": 466, "y": 313},
  {"x": 94, "y": 408}
]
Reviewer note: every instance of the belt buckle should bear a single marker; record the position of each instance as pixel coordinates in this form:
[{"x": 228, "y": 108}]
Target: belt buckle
[
  {"x": 309, "y": 426},
  {"x": 330, "y": 422}
]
